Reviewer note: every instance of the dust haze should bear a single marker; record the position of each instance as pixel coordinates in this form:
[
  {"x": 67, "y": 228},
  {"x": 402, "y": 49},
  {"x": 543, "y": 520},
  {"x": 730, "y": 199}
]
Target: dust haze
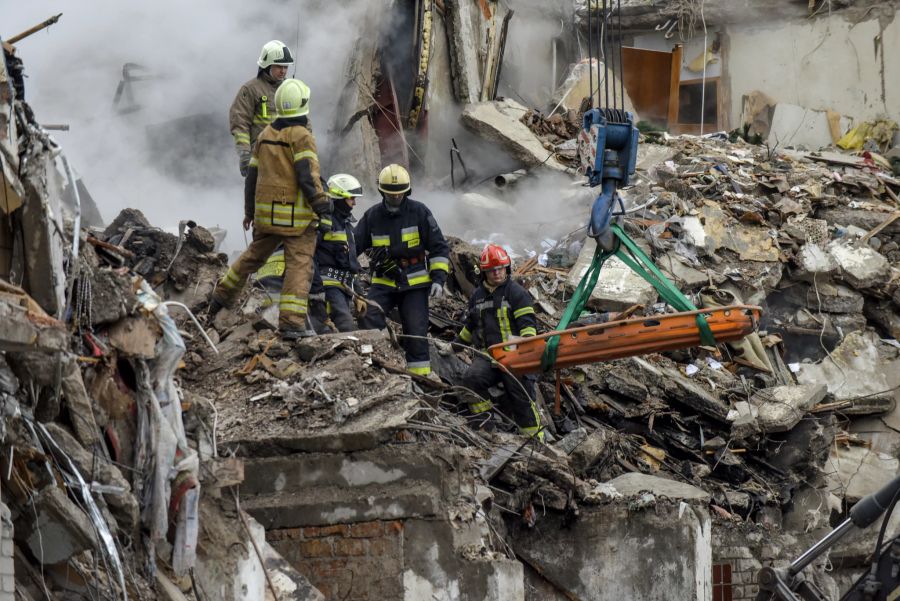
[{"x": 196, "y": 55}]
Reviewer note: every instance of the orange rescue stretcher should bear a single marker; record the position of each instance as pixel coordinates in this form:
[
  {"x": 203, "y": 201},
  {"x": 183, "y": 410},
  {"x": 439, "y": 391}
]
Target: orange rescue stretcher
[{"x": 626, "y": 338}]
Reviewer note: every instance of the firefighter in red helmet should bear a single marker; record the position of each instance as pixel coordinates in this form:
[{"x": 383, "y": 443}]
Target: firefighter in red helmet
[{"x": 499, "y": 309}]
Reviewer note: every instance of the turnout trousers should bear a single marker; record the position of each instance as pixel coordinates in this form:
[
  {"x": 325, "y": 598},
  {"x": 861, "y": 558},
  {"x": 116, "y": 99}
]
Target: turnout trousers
[
  {"x": 413, "y": 306},
  {"x": 516, "y": 403},
  {"x": 298, "y": 271}
]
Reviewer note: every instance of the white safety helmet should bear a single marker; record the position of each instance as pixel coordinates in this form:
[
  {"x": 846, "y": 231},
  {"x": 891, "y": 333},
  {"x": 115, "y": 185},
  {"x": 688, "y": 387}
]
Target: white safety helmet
[
  {"x": 275, "y": 53},
  {"x": 344, "y": 185}
]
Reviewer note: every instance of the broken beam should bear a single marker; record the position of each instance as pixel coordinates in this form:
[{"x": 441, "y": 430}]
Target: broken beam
[{"x": 34, "y": 29}]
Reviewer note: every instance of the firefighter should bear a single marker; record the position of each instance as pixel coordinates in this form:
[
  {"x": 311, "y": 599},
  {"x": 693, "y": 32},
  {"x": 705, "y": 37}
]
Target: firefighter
[
  {"x": 335, "y": 258},
  {"x": 254, "y": 106},
  {"x": 499, "y": 309},
  {"x": 409, "y": 262},
  {"x": 285, "y": 204}
]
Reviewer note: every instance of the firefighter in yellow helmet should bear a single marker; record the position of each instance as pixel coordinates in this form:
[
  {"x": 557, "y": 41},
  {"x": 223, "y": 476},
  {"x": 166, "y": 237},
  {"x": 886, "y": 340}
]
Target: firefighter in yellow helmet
[
  {"x": 409, "y": 262},
  {"x": 254, "y": 106},
  {"x": 285, "y": 203}
]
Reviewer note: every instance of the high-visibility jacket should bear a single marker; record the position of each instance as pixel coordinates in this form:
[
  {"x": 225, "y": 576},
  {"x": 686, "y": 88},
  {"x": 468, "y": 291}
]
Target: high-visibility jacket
[
  {"x": 496, "y": 316},
  {"x": 252, "y": 110},
  {"x": 283, "y": 191},
  {"x": 409, "y": 250},
  {"x": 336, "y": 252}
]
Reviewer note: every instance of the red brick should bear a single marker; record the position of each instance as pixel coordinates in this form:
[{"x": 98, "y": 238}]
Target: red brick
[
  {"x": 321, "y": 531},
  {"x": 284, "y": 534},
  {"x": 366, "y": 530},
  {"x": 315, "y": 548},
  {"x": 394, "y": 527},
  {"x": 383, "y": 547},
  {"x": 349, "y": 547}
]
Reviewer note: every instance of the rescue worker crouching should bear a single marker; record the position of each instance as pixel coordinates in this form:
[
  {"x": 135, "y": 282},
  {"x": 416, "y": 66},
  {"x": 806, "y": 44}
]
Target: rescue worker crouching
[
  {"x": 285, "y": 204},
  {"x": 499, "y": 309},
  {"x": 409, "y": 263},
  {"x": 253, "y": 107},
  {"x": 336, "y": 259}
]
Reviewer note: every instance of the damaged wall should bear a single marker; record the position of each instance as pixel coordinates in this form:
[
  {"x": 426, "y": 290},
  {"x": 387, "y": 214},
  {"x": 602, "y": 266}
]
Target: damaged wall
[{"x": 826, "y": 63}]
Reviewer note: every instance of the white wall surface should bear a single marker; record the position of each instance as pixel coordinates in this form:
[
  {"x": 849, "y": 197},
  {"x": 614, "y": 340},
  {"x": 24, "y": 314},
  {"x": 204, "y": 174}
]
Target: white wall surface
[{"x": 827, "y": 63}]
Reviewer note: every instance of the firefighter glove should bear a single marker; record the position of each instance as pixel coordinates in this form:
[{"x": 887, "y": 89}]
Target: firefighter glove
[
  {"x": 437, "y": 290},
  {"x": 324, "y": 224},
  {"x": 360, "y": 305},
  {"x": 244, "y": 161}
]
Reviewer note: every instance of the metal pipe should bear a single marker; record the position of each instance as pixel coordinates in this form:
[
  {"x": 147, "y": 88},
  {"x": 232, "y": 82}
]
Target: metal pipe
[
  {"x": 820, "y": 547},
  {"x": 508, "y": 179},
  {"x": 197, "y": 323}
]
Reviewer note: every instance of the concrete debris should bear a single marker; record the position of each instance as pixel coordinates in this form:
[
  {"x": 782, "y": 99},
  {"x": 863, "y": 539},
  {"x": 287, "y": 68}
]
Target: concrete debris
[
  {"x": 617, "y": 287},
  {"x": 632, "y": 484},
  {"x": 249, "y": 466},
  {"x": 780, "y": 408},
  {"x": 500, "y": 121},
  {"x": 862, "y": 370}
]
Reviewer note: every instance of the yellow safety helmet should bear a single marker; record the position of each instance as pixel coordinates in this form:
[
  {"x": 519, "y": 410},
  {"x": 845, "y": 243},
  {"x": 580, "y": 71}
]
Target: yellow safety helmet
[
  {"x": 274, "y": 53},
  {"x": 292, "y": 98},
  {"x": 394, "y": 179},
  {"x": 344, "y": 185}
]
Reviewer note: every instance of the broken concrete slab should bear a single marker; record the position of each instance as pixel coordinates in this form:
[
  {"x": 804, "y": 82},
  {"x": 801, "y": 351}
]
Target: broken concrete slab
[
  {"x": 60, "y": 531},
  {"x": 686, "y": 277},
  {"x": 862, "y": 369},
  {"x": 860, "y": 266},
  {"x": 590, "y": 450},
  {"x": 616, "y": 549},
  {"x": 120, "y": 499},
  {"x": 811, "y": 509},
  {"x": 823, "y": 296},
  {"x": 135, "y": 337},
  {"x": 751, "y": 243},
  {"x": 500, "y": 121},
  {"x": 633, "y": 484},
  {"x": 781, "y": 407},
  {"x": 830, "y": 325},
  {"x": 618, "y": 287},
  {"x": 855, "y": 472},
  {"x": 24, "y": 331},
  {"x": 814, "y": 263},
  {"x": 81, "y": 407},
  {"x": 463, "y": 21}
]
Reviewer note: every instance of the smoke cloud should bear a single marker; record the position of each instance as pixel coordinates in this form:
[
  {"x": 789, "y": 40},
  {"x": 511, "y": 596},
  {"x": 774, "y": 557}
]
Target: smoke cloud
[{"x": 196, "y": 56}]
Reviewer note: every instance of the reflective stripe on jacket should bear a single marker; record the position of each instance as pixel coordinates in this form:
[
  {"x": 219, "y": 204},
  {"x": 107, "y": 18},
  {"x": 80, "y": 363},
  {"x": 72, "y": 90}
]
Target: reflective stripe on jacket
[
  {"x": 283, "y": 188},
  {"x": 410, "y": 250},
  {"x": 336, "y": 252},
  {"x": 495, "y": 317},
  {"x": 252, "y": 110}
]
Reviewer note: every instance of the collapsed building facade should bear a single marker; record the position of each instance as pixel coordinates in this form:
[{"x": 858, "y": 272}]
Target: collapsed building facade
[{"x": 148, "y": 456}]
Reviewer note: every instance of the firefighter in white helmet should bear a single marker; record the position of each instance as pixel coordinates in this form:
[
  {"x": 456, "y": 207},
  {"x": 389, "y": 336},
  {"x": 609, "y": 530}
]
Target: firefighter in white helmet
[
  {"x": 286, "y": 205},
  {"x": 254, "y": 106},
  {"x": 336, "y": 263}
]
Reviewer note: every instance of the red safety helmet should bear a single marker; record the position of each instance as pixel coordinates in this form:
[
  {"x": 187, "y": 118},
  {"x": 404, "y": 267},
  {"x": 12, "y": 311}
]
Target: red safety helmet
[{"x": 493, "y": 256}]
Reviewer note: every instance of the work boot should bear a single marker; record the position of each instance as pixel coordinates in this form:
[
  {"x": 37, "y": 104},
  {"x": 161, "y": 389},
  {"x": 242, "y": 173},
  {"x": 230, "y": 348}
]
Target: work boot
[
  {"x": 291, "y": 334},
  {"x": 212, "y": 310}
]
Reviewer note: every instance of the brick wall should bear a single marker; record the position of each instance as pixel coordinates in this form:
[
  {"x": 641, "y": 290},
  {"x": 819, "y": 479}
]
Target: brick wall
[
  {"x": 7, "y": 571},
  {"x": 350, "y": 562},
  {"x": 744, "y": 568}
]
